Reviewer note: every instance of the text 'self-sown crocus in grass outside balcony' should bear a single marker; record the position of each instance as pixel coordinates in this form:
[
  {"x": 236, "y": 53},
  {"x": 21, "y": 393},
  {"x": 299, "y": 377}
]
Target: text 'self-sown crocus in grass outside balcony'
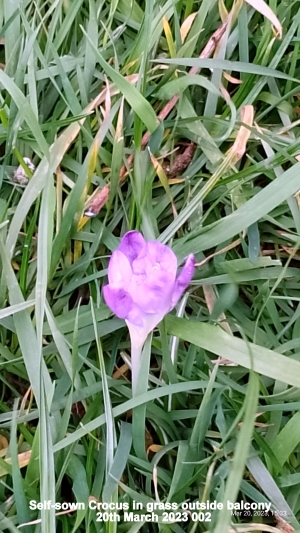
[{"x": 143, "y": 287}]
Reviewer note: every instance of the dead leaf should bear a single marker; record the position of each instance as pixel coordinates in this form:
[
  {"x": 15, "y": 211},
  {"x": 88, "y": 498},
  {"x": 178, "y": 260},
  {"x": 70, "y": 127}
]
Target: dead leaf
[
  {"x": 154, "y": 448},
  {"x": 120, "y": 371},
  {"x": 20, "y": 176},
  {"x": 267, "y": 12},
  {"x": 182, "y": 161},
  {"x": 186, "y": 26},
  {"x": 211, "y": 256},
  {"x": 239, "y": 146},
  {"x": 210, "y": 298},
  {"x": 231, "y": 79},
  {"x": 223, "y": 362},
  {"x": 283, "y": 525},
  {"x": 3, "y": 442},
  {"x": 97, "y": 201},
  {"x": 23, "y": 460}
]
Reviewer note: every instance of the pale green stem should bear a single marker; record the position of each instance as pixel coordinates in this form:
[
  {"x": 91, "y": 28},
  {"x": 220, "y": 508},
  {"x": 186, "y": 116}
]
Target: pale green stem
[
  {"x": 139, "y": 373},
  {"x": 136, "y": 355}
]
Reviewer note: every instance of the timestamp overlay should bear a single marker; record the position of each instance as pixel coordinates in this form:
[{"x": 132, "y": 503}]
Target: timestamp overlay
[{"x": 163, "y": 512}]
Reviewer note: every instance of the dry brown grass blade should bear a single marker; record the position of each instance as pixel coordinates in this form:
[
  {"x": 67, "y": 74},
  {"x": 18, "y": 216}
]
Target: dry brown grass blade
[
  {"x": 239, "y": 146},
  {"x": 120, "y": 372},
  {"x": 210, "y": 298},
  {"x": 225, "y": 249},
  {"x": 231, "y": 79},
  {"x": 283, "y": 525},
  {"x": 154, "y": 448},
  {"x": 23, "y": 460},
  {"x": 102, "y": 196},
  {"x": 186, "y": 25},
  {"x": 267, "y": 12},
  {"x": 222, "y": 361}
]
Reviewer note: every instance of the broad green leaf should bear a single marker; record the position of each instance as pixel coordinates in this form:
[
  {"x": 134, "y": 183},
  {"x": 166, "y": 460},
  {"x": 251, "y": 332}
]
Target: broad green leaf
[
  {"x": 257, "y": 207},
  {"x": 224, "y": 64},
  {"x": 251, "y": 356}
]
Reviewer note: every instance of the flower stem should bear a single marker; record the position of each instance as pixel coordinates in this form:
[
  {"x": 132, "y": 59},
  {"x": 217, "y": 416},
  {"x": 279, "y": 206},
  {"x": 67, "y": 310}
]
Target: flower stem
[
  {"x": 136, "y": 354},
  {"x": 140, "y": 363}
]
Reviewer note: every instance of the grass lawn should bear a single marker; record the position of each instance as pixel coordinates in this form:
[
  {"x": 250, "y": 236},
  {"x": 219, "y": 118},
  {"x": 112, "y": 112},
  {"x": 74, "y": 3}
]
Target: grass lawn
[{"x": 179, "y": 119}]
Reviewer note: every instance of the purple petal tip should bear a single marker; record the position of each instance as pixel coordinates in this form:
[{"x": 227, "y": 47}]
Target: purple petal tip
[
  {"x": 132, "y": 244},
  {"x": 183, "y": 279}
]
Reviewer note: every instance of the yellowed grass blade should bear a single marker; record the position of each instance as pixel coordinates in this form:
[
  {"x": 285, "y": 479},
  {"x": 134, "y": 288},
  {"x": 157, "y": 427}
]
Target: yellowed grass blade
[{"x": 222, "y": 10}]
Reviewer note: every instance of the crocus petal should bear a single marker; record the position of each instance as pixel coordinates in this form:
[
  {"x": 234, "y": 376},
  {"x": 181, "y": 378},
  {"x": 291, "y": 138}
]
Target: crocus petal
[
  {"x": 118, "y": 300},
  {"x": 132, "y": 244},
  {"x": 162, "y": 257},
  {"x": 153, "y": 294},
  {"x": 119, "y": 270},
  {"x": 142, "y": 285},
  {"x": 152, "y": 274},
  {"x": 156, "y": 266},
  {"x": 135, "y": 316},
  {"x": 183, "y": 279},
  {"x": 141, "y": 265}
]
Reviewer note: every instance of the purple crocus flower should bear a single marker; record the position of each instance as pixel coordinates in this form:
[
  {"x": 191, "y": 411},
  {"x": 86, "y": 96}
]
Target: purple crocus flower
[{"x": 143, "y": 286}]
